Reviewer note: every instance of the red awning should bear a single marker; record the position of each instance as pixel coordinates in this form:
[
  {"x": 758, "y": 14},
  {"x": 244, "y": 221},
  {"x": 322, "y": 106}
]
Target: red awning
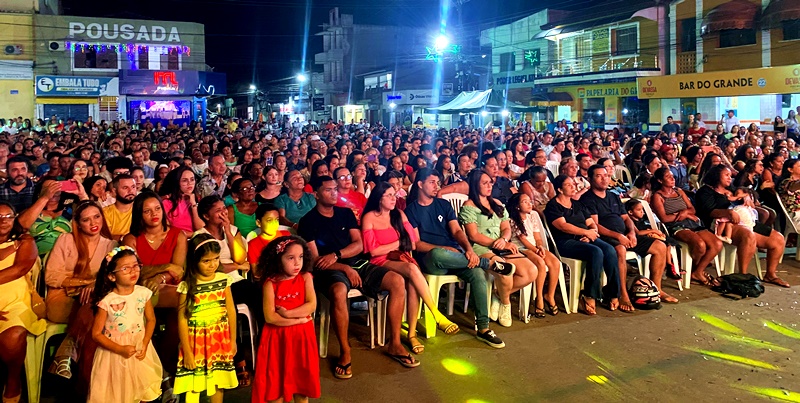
[
  {"x": 735, "y": 14},
  {"x": 779, "y": 11}
]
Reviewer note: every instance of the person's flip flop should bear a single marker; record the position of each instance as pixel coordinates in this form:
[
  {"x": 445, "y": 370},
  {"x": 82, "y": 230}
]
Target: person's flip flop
[
  {"x": 777, "y": 281},
  {"x": 405, "y": 360},
  {"x": 343, "y": 374},
  {"x": 707, "y": 280}
]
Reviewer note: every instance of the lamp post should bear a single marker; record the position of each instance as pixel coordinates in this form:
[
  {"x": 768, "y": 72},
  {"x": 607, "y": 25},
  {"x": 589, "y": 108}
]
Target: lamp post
[{"x": 304, "y": 78}]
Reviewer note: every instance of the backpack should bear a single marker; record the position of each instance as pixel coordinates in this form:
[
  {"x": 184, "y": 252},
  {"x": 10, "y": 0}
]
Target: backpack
[{"x": 743, "y": 285}]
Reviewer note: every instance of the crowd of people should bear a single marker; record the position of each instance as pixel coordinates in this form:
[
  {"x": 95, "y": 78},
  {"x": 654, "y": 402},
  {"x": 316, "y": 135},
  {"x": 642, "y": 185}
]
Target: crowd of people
[{"x": 149, "y": 236}]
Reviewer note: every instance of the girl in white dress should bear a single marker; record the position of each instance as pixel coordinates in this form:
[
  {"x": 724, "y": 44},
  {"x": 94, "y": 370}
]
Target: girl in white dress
[{"x": 126, "y": 368}]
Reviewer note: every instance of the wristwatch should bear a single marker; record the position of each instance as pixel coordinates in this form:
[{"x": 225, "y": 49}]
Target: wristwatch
[{"x": 338, "y": 254}]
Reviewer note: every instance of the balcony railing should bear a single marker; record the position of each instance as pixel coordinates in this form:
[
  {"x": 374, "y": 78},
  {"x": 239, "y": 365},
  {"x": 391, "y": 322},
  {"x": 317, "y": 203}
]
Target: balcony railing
[{"x": 595, "y": 64}]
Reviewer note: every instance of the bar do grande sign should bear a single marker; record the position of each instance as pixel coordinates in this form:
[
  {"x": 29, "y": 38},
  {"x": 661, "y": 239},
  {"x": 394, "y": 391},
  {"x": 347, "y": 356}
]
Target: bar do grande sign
[{"x": 770, "y": 80}]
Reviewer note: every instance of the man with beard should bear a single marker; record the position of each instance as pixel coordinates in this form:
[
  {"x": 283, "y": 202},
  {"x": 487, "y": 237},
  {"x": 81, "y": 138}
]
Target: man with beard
[
  {"x": 118, "y": 215},
  {"x": 18, "y": 189}
]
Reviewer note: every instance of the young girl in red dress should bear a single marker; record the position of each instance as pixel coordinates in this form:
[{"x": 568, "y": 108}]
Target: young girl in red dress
[{"x": 287, "y": 366}]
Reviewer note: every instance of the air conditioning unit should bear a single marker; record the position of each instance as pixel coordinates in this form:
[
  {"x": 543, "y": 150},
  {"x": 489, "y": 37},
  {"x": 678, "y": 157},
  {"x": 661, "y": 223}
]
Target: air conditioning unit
[
  {"x": 56, "y": 46},
  {"x": 12, "y": 49}
]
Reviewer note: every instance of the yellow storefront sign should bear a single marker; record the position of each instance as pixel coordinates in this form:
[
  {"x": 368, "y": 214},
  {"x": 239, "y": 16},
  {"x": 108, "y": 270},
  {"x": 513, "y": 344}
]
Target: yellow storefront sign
[
  {"x": 768, "y": 80},
  {"x": 600, "y": 90}
]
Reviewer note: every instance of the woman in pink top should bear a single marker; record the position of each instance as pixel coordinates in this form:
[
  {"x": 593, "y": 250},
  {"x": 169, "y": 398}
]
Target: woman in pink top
[
  {"x": 389, "y": 239},
  {"x": 180, "y": 201}
]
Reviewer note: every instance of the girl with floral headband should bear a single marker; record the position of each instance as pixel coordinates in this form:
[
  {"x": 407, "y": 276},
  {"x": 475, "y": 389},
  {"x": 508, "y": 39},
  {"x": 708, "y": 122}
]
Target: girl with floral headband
[
  {"x": 206, "y": 325},
  {"x": 287, "y": 367}
]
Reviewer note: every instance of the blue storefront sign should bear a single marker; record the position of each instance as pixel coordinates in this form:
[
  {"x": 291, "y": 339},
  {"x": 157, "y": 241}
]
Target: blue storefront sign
[{"x": 71, "y": 86}]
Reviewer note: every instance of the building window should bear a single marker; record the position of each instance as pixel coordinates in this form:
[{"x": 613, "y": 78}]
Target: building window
[
  {"x": 169, "y": 61},
  {"x": 508, "y": 61},
  {"x": 791, "y": 30},
  {"x": 625, "y": 41},
  {"x": 143, "y": 59},
  {"x": 689, "y": 35},
  {"x": 737, "y": 37},
  {"x": 91, "y": 58}
]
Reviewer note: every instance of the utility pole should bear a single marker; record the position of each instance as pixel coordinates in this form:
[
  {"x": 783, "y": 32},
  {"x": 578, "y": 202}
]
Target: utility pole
[{"x": 463, "y": 70}]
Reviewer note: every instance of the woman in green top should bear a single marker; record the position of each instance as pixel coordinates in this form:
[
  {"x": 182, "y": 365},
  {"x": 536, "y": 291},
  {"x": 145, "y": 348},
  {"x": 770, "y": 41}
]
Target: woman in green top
[
  {"x": 45, "y": 218},
  {"x": 488, "y": 228},
  {"x": 244, "y": 210}
]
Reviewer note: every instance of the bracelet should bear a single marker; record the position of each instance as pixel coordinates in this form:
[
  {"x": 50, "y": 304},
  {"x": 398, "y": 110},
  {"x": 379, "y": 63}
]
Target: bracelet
[{"x": 163, "y": 279}]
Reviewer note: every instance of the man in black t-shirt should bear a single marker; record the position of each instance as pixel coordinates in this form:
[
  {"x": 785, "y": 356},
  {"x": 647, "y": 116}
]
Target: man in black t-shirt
[
  {"x": 334, "y": 241},
  {"x": 617, "y": 229}
]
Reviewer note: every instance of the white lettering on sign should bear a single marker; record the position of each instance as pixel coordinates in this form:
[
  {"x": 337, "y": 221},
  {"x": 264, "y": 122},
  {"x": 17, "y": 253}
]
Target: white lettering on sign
[{"x": 150, "y": 33}]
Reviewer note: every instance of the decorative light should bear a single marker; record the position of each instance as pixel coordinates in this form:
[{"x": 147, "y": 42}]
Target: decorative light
[
  {"x": 392, "y": 105},
  {"x": 625, "y": 111},
  {"x": 599, "y": 113},
  {"x": 125, "y": 47}
]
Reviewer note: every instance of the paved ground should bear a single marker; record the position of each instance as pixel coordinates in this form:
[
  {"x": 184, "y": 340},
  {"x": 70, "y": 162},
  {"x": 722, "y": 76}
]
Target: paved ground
[{"x": 706, "y": 348}]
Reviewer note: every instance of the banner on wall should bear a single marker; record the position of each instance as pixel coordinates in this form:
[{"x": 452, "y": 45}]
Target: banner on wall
[
  {"x": 761, "y": 81},
  {"x": 73, "y": 86},
  {"x": 600, "y": 90}
]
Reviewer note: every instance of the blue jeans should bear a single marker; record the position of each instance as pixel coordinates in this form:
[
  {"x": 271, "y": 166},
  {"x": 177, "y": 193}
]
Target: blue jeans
[
  {"x": 441, "y": 262},
  {"x": 599, "y": 256}
]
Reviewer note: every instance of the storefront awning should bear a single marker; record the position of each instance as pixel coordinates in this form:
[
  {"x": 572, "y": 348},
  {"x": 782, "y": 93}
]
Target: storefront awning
[
  {"x": 587, "y": 19},
  {"x": 477, "y": 101},
  {"x": 735, "y": 14},
  {"x": 779, "y": 11},
  {"x": 559, "y": 98}
]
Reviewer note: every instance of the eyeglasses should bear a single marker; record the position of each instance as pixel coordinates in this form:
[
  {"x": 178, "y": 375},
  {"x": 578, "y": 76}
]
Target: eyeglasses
[
  {"x": 247, "y": 188},
  {"x": 7, "y": 217},
  {"x": 127, "y": 269},
  {"x": 345, "y": 177},
  {"x": 81, "y": 169}
]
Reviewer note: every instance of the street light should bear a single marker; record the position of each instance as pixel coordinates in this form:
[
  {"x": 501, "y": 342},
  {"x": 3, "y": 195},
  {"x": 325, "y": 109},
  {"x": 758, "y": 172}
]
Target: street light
[
  {"x": 302, "y": 78},
  {"x": 441, "y": 42},
  {"x": 392, "y": 105},
  {"x": 252, "y": 87},
  {"x": 484, "y": 114},
  {"x": 504, "y": 113}
]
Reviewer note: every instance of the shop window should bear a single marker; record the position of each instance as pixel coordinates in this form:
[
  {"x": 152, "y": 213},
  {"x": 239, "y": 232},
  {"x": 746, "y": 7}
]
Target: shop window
[
  {"x": 96, "y": 59},
  {"x": 737, "y": 37},
  {"x": 169, "y": 61},
  {"x": 791, "y": 30},
  {"x": 143, "y": 60},
  {"x": 625, "y": 40},
  {"x": 508, "y": 61},
  {"x": 689, "y": 35}
]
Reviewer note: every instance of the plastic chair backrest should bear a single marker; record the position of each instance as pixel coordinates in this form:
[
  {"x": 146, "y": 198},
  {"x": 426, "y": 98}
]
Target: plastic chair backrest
[
  {"x": 545, "y": 233},
  {"x": 551, "y": 239},
  {"x": 621, "y": 172},
  {"x": 648, "y": 213},
  {"x": 552, "y": 166},
  {"x": 456, "y": 200},
  {"x": 786, "y": 214}
]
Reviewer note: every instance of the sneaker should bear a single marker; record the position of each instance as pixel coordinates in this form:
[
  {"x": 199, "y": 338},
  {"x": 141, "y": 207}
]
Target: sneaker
[
  {"x": 503, "y": 268},
  {"x": 494, "y": 308},
  {"x": 490, "y": 338},
  {"x": 505, "y": 315}
]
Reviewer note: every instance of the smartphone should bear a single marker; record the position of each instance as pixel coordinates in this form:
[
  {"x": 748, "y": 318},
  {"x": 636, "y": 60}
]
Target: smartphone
[
  {"x": 268, "y": 161},
  {"x": 707, "y": 149},
  {"x": 69, "y": 186}
]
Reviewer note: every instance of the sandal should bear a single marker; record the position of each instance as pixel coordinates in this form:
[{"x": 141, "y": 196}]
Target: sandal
[
  {"x": 340, "y": 372},
  {"x": 62, "y": 368},
  {"x": 586, "y": 309},
  {"x": 707, "y": 280},
  {"x": 416, "y": 347},
  {"x": 539, "y": 313},
  {"x": 449, "y": 328},
  {"x": 405, "y": 360},
  {"x": 243, "y": 375},
  {"x": 551, "y": 309},
  {"x": 777, "y": 281}
]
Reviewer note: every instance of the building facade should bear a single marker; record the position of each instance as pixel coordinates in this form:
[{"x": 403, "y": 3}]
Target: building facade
[
  {"x": 739, "y": 55},
  {"x": 16, "y": 65},
  {"x": 111, "y": 69}
]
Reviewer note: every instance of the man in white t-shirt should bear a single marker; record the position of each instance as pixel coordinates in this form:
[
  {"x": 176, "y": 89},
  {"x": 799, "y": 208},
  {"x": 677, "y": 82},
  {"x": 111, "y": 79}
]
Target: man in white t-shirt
[{"x": 729, "y": 121}]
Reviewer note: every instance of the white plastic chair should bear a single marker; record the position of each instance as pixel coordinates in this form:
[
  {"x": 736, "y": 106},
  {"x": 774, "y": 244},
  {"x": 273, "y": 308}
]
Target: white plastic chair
[
  {"x": 789, "y": 229},
  {"x": 654, "y": 224},
  {"x": 35, "y": 351},
  {"x": 621, "y": 172},
  {"x": 562, "y": 282},
  {"x": 243, "y": 309},
  {"x": 435, "y": 284},
  {"x": 576, "y": 270},
  {"x": 375, "y": 329},
  {"x": 552, "y": 166},
  {"x": 456, "y": 200}
]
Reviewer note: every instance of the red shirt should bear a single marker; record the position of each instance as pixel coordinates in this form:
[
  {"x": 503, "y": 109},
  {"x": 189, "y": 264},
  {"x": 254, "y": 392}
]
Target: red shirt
[
  {"x": 353, "y": 200},
  {"x": 257, "y": 244}
]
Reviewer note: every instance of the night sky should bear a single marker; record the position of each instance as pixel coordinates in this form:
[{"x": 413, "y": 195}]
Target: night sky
[{"x": 256, "y": 41}]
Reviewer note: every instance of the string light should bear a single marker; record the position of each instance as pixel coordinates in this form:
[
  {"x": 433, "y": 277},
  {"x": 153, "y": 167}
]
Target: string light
[{"x": 127, "y": 48}]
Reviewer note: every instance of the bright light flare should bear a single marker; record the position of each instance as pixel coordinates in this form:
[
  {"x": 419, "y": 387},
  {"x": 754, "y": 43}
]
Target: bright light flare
[
  {"x": 302, "y": 77},
  {"x": 252, "y": 87},
  {"x": 504, "y": 113},
  {"x": 441, "y": 42},
  {"x": 484, "y": 113}
]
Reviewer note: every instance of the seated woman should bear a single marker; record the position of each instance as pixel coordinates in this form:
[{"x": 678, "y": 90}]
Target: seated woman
[
  {"x": 487, "y": 226},
  {"x": 70, "y": 276},
  {"x": 538, "y": 188},
  {"x": 320, "y": 168},
  {"x": 389, "y": 239},
  {"x": 232, "y": 259},
  {"x": 162, "y": 252},
  {"x": 46, "y": 218},
  {"x": 244, "y": 210},
  {"x": 528, "y": 236},
  {"x": 295, "y": 203},
  {"x": 712, "y": 202},
  {"x": 180, "y": 200},
  {"x": 17, "y": 317},
  {"x": 577, "y": 237},
  {"x": 96, "y": 188},
  {"x": 789, "y": 190},
  {"x": 272, "y": 189},
  {"x": 673, "y": 208},
  {"x": 750, "y": 179}
]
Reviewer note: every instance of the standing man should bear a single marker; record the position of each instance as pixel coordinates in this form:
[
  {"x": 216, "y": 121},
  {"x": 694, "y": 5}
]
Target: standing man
[
  {"x": 335, "y": 243},
  {"x": 118, "y": 215},
  {"x": 138, "y": 160},
  {"x": 616, "y": 228},
  {"x": 729, "y": 121},
  {"x": 443, "y": 248},
  {"x": 671, "y": 126}
]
